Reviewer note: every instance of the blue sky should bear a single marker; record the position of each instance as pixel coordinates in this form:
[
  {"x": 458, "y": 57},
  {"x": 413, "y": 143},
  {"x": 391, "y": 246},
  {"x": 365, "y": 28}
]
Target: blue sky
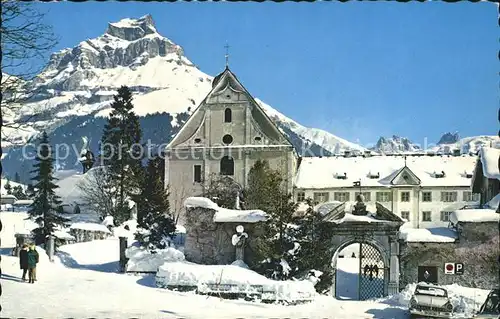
[{"x": 358, "y": 69}]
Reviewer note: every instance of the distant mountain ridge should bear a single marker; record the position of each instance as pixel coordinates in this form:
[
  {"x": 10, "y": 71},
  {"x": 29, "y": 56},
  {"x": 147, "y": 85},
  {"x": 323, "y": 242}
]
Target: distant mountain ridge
[{"x": 74, "y": 91}]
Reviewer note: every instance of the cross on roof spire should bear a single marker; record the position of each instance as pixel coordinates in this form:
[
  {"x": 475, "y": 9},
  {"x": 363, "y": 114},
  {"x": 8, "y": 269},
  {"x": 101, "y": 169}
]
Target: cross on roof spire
[{"x": 227, "y": 54}]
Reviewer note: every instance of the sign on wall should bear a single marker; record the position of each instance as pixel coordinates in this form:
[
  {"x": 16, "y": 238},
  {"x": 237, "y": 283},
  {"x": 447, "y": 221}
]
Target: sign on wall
[
  {"x": 428, "y": 274},
  {"x": 454, "y": 268}
]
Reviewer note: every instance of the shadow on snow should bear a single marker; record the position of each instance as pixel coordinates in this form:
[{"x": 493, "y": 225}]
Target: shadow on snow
[{"x": 68, "y": 261}]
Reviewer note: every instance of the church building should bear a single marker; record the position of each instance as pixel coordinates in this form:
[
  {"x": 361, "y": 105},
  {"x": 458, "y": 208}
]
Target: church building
[{"x": 226, "y": 134}]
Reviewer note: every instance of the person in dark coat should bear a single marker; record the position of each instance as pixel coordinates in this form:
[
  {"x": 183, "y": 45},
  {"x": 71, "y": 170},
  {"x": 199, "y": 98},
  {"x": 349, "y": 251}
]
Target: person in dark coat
[
  {"x": 32, "y": 261},
  {"x": 23, "y": 260}
]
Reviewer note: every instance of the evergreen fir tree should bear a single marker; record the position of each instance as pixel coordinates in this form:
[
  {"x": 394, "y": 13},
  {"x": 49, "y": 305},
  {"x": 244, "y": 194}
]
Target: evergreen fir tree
[
  {"x": 275, "y": 248},
  {"x": 19, "y": 192},
  {"x": 153, "y": 210},
  {"x": 17, "y": 178},
  {"x": 8, "y": 187},
  {"x": 46, "y": 202},
  {"x": 122, "y": 159},
  {"x": 312, "y": 235}
]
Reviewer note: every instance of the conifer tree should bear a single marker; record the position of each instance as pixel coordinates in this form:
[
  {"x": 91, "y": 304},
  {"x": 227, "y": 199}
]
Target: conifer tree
[
  {"x": 312, "y": 235},
  {"x": 153, "y": 210},
  {"x": 45, "y": 203},
  {"x": 19, "y": 192},
  {"x": 275, "y": 248},
  {"x": 122, "y": 153},
  {"x": 8, "y": 187},
  {"x": 17, "y": 178}
]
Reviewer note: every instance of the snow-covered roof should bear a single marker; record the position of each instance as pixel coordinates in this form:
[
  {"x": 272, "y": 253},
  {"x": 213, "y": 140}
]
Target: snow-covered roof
[
  {"x": 489, "y": 159},
  {"x": 319, "y": 172},
  {"x": 202, "y": 202},
  {"x": 91, "y": 227},
  {"x": 474, "y": 216},
  {"x": 224, "y": 215},
  {"x": 63, "y": 235},
  {"x": 348, "y": 217},
  {"x": 428, "y": 235},
  {"x": 23, "y": 202}
]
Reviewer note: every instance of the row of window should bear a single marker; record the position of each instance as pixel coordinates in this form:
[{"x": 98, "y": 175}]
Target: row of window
[
  {"x": 427, "y": 216},
  {"x": 447, "y": 196}
]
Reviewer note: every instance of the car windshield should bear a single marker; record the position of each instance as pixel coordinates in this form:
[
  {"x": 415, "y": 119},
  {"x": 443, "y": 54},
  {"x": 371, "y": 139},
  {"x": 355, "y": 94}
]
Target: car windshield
[
  {"x": 491, "y": 305},
  {"x": 431, "y": 291}
]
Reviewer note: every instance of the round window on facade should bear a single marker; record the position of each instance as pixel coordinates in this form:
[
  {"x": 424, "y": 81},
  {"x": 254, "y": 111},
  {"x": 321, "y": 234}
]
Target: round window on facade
[
  {"x": 197, "y": 140},
  {"x": 258, "y": 139},
  {"x": 227, "y": 139}
]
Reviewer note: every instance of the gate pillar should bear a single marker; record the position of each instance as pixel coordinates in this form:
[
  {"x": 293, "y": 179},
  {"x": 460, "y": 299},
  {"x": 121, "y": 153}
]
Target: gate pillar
[{"x": 393, "y": 285}]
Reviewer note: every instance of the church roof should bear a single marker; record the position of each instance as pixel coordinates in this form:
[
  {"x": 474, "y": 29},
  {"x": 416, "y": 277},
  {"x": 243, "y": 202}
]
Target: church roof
[{"x": 221, "y": 82}]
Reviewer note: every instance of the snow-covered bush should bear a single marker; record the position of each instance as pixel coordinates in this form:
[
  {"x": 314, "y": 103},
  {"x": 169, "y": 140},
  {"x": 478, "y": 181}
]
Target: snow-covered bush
[{"x": 141, "y": 259}]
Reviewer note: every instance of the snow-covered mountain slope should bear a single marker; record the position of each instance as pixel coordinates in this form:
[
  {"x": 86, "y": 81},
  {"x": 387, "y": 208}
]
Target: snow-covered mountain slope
[
  {"x": 395, "y": 145},
  {"x": 448, "y": 142},
  {"x": 81, "y": 81}
]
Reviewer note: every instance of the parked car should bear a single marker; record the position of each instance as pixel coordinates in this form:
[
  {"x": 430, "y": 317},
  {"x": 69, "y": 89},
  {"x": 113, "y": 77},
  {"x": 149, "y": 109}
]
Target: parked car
[
  {"x": 491, "y": 307},
  {"x": 430, "y": 301}
]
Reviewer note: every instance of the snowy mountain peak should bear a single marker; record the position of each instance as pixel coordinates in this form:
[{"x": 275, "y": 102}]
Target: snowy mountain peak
[
  {"x": 449, "y": 138},
  {"x": 394, "y": 144},
  {"x": 132, "y": 29}
]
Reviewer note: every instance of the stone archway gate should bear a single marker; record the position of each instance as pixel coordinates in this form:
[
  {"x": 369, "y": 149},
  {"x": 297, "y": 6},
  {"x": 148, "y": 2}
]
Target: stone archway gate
[{"x": 378, "y": 234}]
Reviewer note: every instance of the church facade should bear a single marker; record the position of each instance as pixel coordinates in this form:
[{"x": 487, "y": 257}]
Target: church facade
[{"x": 225, "y": 135}]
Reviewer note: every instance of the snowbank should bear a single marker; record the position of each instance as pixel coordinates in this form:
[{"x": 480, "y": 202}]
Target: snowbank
[
  {"x": 428, "y": 235},
  {"x": 489, "y": 159},
  {"x": 234, "y": 278},
  {"x": 474, "y": 216},
  {"x": 224, "y": 215},
  {"x": 465, "y": 300},
  {"x": 91, "y": 227},
  {"x": 142, "y": 260}
]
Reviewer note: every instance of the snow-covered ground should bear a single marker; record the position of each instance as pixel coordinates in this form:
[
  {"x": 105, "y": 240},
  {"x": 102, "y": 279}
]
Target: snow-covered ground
[{"x": 82, "y": 282}]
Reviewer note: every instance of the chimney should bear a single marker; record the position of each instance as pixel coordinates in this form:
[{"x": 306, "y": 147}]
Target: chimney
[{"x": 347, "y": 153}]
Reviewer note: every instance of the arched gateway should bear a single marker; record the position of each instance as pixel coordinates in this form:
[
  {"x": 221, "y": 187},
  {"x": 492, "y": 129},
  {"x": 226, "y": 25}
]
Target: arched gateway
[{"x": 378, "y": 254}]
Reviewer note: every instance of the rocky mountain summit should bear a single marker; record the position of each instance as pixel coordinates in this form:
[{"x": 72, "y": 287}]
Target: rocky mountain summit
[
  {"x": 394, "y": 145},
  {"x": 73, "y": 94}
]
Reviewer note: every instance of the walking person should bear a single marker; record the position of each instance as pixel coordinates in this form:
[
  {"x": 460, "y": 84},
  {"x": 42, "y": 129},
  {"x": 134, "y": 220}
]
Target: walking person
[
  {"x": 32, "y": 261},
  {"x": 23, "y": 260}
]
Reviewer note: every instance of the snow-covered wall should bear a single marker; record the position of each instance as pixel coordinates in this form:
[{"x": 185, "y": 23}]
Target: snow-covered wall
[{"x": 209, "y": 242}]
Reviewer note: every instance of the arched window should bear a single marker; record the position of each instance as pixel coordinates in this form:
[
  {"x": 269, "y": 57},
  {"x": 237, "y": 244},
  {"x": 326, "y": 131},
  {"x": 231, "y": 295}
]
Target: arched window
[
  {"x": 227, "y": 166},
  {"x": 228, "y": 115}
]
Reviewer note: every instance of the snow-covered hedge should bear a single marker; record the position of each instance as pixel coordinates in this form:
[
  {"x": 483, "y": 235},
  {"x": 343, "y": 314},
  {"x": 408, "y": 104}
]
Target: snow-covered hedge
[
  {"x": 237, "y": 279},
  {"x": 142, "y": 260}
]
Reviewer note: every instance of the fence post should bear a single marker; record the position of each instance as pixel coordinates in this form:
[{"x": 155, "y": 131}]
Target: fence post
[{"x": 123, "y": 258}]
